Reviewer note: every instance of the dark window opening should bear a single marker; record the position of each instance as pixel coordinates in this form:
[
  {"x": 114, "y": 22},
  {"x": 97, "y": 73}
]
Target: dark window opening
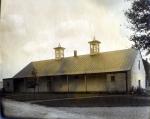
[
  {"x": 31, "y": 83},
  {"x": 139, "y": 83},
  {"x": 76, "y": 77},
  {"x": 112, "y": 78},
  {"x": 139, "y": 65},
  {"x": 7, "y": 84}
]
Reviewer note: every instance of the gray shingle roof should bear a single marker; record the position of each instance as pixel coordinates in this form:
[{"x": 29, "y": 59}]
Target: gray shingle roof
[{"x": 113, "y": 61}]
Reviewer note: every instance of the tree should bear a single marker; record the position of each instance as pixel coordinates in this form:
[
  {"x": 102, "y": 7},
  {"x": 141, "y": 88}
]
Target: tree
[
  {"x": 35, "y": 81},
  {"x": 139, "y": 18}
]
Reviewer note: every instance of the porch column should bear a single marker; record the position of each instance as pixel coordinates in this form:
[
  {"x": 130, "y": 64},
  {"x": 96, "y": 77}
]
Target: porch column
[
  {"x": 37, "y": 83},
  {"x": 126, "y": 77},
  {"x": 85, "y": 80},
  {"x": 24, "y": 84},
  {"x": 50, "y": 84},
  {"x": 67, "y": 83}
]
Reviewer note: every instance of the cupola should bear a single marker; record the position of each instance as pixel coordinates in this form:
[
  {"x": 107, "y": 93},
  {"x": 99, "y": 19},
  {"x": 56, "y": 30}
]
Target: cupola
[
  {"x": 94, "y": 46},
  {"x": 59, "y": 52}
]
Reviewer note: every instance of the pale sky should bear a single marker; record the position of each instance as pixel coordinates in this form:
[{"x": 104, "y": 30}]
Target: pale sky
[{"x": 30, "y": 29}]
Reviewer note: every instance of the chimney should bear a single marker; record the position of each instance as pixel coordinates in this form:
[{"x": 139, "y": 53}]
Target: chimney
[{"x": 75, "y": 53}]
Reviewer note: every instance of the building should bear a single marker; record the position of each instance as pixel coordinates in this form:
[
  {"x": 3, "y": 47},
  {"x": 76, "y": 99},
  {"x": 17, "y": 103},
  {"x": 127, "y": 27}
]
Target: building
[
  {"x": 1, "y": 84},
  {"x": 114, "y": 71},
  {"x": 147, "y": 70}
]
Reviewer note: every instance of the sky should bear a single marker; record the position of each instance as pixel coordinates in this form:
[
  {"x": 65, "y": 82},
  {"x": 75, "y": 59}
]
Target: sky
[{"x": 30, "y": 29}]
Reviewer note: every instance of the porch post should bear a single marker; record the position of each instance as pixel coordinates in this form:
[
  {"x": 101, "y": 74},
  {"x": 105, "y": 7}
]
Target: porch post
[
  {"x": 85, "y": 83},
  {"x": 24, "y": 84},
  {"x": 37, "y": 83},
  {"x": 67, "y": 83},
  {"x": 50, "y": 84},
  {"x": 126, "y": 76}
]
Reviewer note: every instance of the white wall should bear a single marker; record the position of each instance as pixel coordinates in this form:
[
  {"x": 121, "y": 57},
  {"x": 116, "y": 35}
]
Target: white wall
[
  {"x": 138, "y": 74},
  {"x": 60, "y": 85},
  {"x": 77, "y": 85},
  {"x": 96, "y": 83},
  {"x": 119, "y": 84}
]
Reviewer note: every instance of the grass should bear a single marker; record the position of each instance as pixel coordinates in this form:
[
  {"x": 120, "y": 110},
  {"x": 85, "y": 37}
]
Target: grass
[{"x": 82, "y": 100}]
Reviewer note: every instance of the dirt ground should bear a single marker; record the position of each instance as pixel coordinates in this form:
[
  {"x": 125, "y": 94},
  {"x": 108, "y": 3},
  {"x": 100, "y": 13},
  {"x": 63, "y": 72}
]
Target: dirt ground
[{"x": 22, "y": 110}]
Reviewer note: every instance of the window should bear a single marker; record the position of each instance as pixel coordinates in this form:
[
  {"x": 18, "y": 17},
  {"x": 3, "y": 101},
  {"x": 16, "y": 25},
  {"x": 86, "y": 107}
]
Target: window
[
  {"x": 112, "y": 78},
  {"x": 139, "y": 65},
  {"x": 139, "y": 83},
  {"x": 30, "y": 83},
  {"x": 95, "y": 48},
  {"x": 7, "y": 84},
  {"x": 92, "y": 48},
  {"x": 57, "y": 54},
  {"x": 61, "y": 53}
]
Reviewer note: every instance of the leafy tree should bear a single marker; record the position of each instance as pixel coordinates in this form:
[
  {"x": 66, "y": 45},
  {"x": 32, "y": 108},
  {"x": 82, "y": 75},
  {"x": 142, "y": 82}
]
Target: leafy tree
[
  {"x": 139, "y": 17},
  {"x": 35, "y": 82}
]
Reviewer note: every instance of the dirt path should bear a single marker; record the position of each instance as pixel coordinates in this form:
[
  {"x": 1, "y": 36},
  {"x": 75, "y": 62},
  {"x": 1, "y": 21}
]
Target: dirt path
[{"x": 21, "y": 109}]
